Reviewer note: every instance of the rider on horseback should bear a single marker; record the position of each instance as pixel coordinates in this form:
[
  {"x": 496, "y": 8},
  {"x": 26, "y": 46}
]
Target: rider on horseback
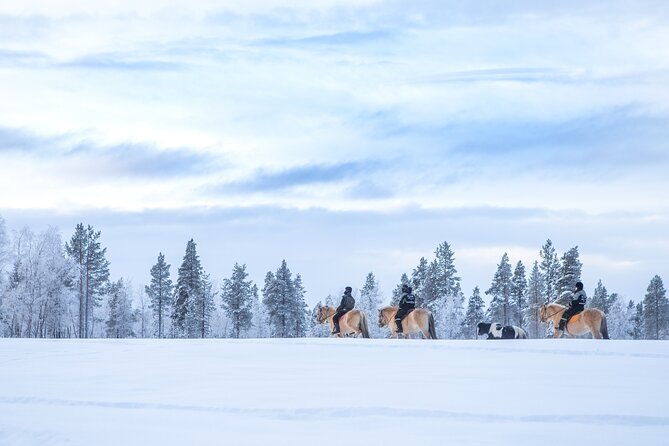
[
  {"x": 346, "y": 305},
  {"x": 576, "y": 306},
  {"x": 407, "y": 303}
]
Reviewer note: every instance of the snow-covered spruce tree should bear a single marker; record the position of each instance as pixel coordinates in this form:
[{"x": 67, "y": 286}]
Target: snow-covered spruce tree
[
  {"x": 550, "y": 270},
  {"x": 448, "y": 305},
  {"x": 284, "y": 300},
  {"x": 500, "y": 290},
  {"x": 419, "y": 280},
  {"x": 619, "y": 318},
  {"x": 637, "y": 319},
  {"x": 145, "y": 325},
  {"x": 121, "y": 317},
  {"x": 161, "y": 294},
  {"x": 188, "y": 290},
  {"x": 93, "y": 273},
  {"x": 259, "y": 319},
  {"x": 271, "y": 301},
  {"x": 570, "y": 273},
  {"x": 370, "y": 302},
  {"x": 4, "y": 250},
  {"x": 656, "y": 311},
  {"x": 535, "y": 300},
  {"x": 397, "y": 292},
  {"x": 519, "y": 296},
  {"x": 4, "y": 258},
  {"x": 600, "y": 299},
  {"x": 237, "y": 301},
  {"x": 474, "y": 315},
  {"x": 301, "y": 309},
  {"x": 204, "y": 307}
]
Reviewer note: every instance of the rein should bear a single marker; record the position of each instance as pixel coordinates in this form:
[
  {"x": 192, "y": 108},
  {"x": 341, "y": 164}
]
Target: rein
[
  {"x": 386, "y": 320},
  {"x": 327, "y": 316},
  {"x": 551, "y": 315}
]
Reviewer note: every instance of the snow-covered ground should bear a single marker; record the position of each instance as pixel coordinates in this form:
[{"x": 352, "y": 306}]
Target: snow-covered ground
[{"x": 333, "y": 392}]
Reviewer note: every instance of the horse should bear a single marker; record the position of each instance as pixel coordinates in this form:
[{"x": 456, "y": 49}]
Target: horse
[
  {"x": 352, "y": 323},
  {"x": 589, "y": 320},
  {"x": 497, "y": 331},
  {"x": 419, "y": 320}
]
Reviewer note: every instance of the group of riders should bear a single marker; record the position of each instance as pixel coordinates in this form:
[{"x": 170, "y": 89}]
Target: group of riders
[{"x": 407, "y": 303}]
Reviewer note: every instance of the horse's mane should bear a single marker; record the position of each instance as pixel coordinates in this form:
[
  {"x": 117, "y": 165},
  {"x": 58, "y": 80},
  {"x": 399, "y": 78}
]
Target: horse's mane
[
  {"x": 388, "y": 307},
  {"x": 555, "y": 304}
]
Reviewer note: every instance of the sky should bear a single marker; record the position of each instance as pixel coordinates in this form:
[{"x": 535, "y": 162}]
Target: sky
[{"x": 344, "y": 136}]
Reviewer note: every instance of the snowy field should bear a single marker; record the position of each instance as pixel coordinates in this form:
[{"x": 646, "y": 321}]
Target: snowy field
[{"x": 333, "y": 392}]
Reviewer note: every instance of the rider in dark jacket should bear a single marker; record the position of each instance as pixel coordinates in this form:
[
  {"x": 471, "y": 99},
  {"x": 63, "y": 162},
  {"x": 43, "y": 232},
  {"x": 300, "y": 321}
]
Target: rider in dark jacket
[
  {"x": 576, "y": 305},
  {"x": 407, "y": 303},
  {"x": 346, "y": 305}
]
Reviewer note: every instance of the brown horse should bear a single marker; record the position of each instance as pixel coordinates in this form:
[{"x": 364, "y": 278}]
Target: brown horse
[
  {"x": 419, "y": 320},
  {"x": 590, "y": 320},
  {"x": 352, "y": 323}
]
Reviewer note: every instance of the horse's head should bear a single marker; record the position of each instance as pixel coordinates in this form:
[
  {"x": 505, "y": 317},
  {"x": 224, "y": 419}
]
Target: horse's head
[
  {"x": 322, "y": 314},
  {"x": 383, "y": 320},
  {"x": 543, "y": 312}
]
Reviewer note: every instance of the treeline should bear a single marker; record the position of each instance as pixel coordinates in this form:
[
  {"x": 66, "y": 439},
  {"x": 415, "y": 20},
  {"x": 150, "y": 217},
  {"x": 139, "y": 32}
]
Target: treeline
[{"x": 55, "y": 289}]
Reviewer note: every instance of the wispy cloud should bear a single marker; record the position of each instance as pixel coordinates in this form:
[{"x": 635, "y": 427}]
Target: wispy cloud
[
  {"x": 128, "y": 159},
  {"x": 120, "y": 62},
  {"x": 348, "y": 38},
  {"x": 505, "y": 74},
  {"x": 301, "y": 176},
  {"x": 598, "y": 140},
  {"x": 23, "y": 58}
]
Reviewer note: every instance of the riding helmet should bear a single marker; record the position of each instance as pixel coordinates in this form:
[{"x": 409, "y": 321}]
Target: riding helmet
[{"x": 579, "y": 286}]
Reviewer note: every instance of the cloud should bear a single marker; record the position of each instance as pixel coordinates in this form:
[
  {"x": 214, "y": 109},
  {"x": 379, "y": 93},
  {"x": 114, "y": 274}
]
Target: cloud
[
  {"x": 23, "y": 58},
  {"x": 347, "y": 38},
  {"x": 505, "y": 74},
  {"x": 112, "y": 61},
  {"x": 139, "y": 160},
  {"x": 596, "y": 142},
  {"x": 301, "y": 176},
  {"x": 102, "y": 61}
]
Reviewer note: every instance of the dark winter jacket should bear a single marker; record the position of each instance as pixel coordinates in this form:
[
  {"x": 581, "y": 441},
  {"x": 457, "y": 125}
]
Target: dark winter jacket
[
  {"x": 578, "y": 301},
  {"x": 408, "y": 300},
  {"x": 347, "y": 302}
]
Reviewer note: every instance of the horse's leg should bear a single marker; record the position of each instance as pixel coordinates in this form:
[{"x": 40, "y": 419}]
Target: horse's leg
[
  {"x": 596, "y": 334},
  {"x": 425, "y": 332}
]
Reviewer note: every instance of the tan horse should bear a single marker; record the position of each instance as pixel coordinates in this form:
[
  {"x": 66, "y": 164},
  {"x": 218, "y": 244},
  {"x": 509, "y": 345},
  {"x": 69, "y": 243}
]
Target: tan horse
[
  {"x": 352, "y": 323},
  {"x": 590, "y": 320},
  {"x": 419, "y": 320}
]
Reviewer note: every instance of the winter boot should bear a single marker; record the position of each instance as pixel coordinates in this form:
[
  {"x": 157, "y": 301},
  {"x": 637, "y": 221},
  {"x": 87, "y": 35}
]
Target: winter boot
[
  {"x": 562, "y": 323},
  {"x": 336, "y": 328}
]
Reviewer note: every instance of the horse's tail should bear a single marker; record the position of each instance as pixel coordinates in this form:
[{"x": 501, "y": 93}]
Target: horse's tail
[
  {"x": 363, "y": 325},
  {"x": 430, "y": 327},
  {"x": 522, "y": 333},
  {"x": 604, "y": 328}
]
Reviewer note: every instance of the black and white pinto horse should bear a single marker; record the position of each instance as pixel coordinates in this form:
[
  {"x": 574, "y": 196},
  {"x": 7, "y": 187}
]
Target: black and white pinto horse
[{"x": 497, "y": 331}]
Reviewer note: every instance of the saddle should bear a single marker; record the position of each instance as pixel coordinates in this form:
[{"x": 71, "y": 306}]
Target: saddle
[{"x": 574, "y": 318}]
